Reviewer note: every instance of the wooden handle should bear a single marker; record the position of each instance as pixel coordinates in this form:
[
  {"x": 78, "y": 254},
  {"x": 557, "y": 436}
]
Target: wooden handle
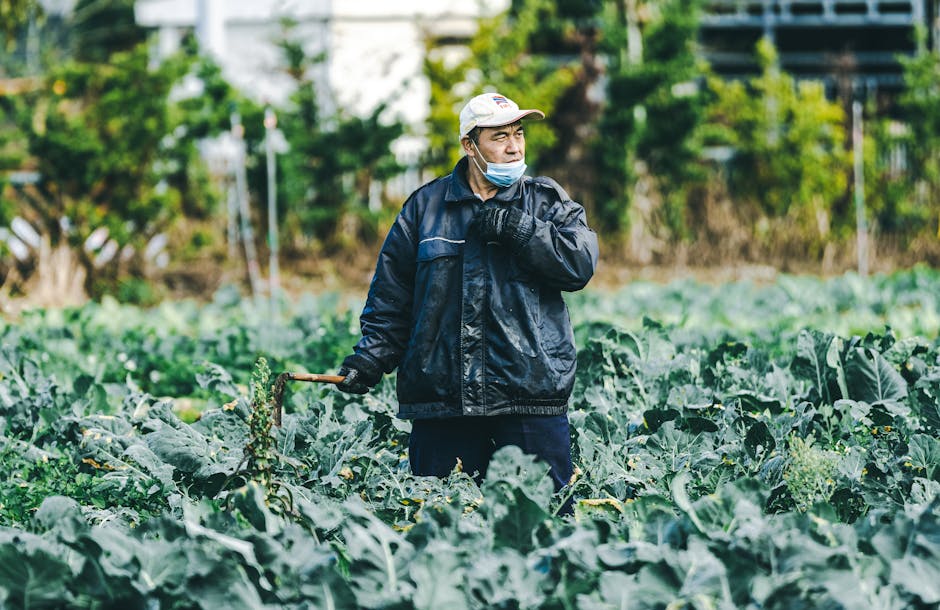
[
  {"x": 317, "y": 378},
  {"x": 280, "y": 383}
]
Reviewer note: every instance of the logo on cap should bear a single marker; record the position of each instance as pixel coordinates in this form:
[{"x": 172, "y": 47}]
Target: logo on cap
[{"x": 501, "y": 101}]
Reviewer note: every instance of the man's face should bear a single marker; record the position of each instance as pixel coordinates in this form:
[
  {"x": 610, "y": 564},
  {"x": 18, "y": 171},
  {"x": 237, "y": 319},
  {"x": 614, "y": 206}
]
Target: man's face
[{"x": 498, "y": 144}]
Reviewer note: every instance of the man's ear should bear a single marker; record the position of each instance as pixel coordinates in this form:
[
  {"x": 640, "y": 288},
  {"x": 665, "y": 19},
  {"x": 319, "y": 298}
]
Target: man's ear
[{"x": 466, "y": 145}]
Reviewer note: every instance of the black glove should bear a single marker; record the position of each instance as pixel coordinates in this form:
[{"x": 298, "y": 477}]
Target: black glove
[
  {"x": 361, "y": 375},
  {"x": 508, "y": 226}
]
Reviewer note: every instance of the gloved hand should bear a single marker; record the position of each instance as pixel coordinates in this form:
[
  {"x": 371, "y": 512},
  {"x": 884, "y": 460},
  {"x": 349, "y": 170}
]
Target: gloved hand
[
  {"x": 506, "y": 225},
  {"x": 361, "y": 375}
]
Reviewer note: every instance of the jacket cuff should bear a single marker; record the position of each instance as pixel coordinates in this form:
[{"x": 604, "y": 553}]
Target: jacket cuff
[{"x": 523, "y": 227}]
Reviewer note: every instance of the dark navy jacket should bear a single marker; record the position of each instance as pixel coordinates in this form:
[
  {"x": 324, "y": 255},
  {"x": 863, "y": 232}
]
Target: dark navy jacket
[{"x": 474, "y": 328}]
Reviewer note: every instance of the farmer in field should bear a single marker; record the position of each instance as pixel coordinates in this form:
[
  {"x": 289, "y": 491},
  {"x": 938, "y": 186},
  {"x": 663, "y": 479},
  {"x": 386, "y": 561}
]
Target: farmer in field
[{"x": 466, "y": 302}]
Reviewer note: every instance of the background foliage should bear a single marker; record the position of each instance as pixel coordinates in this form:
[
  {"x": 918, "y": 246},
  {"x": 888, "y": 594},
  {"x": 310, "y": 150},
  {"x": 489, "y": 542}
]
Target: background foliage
[
  {"x": 921, "y": 106},
  {"x": 653, "y": 111},
  {"x": 789, "y": 148},
  {"x": 672, "y": 163},
  {"x": 331, "y": 161}
]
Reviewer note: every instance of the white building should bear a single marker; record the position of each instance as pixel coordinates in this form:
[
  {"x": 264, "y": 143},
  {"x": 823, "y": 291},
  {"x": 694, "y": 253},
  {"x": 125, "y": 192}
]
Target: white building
[{"x": 374, "y": 48}]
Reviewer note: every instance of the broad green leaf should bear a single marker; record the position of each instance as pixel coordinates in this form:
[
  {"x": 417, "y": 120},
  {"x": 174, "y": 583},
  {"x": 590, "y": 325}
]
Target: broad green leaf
[
  {"x": 926, "y": 396},
  {"x": 514, "y": 469},
  {"x": 811, "y": 361},
  {"x": 502, "y": 578},
  {"x": 148, "y": 461},
  {"x": 924, "y": 454},
  {"x": 378, "y": 559},
  {"x": 852, "y": 590},
  {"x": 60, "y": 512},
  {"x": 924, "y": 492},
  {"x": 918, "y": 576},
  {"x": 517, "y": 492},
  {"x": 758, "y": 441},
  {"x": 250, "y": 502},
  {"x": 439, "y": 577},
  {"x": 163, "y": 566},
  {"x": 657, "y": 584},
  {"x": 871, "y": 378},
  {"x": 706, "y": 576},
  {"x": 756, "y": 403},
  {"x": 690, "y": 396},
  {"x": 655, "y": 418},
  {"x": 226, "y": 586},
  {"x": 515, "y": 521},
  {"x": 216, "y": 378},
  {"x": 182, "y": 447},
  {"x": 33, "y": 575},
  {"x": 118, "y": 555},
  {"x": 627, "y": 556},
  {"x": 617, "y": 591}
]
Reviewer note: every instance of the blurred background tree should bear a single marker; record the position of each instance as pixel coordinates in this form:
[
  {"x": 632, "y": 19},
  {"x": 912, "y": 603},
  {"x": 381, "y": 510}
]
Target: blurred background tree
[
  {"x": 103, "y": 27},
  {"x": 14, "y": 14},
  {"x": 333, "y": 164},
  {"x": 920, "y": 106},
  {"x": 648, "y": 128},
  {"x": 112, "y": 142},
  {"x": 96, "y": 135},
  {"x": 789, "y": 159}
]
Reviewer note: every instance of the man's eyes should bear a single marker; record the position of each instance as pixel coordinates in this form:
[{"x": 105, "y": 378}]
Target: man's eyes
[{"x": 502, "y": 136}]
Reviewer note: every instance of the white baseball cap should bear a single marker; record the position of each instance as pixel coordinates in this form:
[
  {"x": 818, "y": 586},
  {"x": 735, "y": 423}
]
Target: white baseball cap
[{"x": 492, "y": 110}]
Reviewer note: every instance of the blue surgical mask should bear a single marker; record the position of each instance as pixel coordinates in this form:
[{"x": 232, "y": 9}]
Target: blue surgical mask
[{"x": 501, "y": 174}]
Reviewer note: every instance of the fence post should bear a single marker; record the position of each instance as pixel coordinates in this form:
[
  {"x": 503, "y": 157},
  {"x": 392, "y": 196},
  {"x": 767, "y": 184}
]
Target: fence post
[
  {"x": 270, "y": 122},
  {"x": 241, "y": 189},
  {"x": 861, "y": 225}
]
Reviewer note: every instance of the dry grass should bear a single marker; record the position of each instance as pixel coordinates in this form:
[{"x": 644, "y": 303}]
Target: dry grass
[
  {"x": 58, "y": 280},
  {"x": 725, "y": 250}
]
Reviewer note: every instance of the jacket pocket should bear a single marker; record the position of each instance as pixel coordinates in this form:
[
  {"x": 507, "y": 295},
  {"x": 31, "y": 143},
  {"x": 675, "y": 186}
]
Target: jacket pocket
[
  {"x": 431, "y": 248},
  {"x": 437, "y": 275},
  {"x": 436, "y": 291}
]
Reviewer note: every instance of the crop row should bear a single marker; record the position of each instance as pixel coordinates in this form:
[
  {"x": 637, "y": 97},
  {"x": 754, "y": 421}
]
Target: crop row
[{"x": 723, "y": 462}]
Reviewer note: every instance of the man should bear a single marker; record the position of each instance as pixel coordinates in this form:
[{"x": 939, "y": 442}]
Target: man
[{"x": 466, "y": 302}]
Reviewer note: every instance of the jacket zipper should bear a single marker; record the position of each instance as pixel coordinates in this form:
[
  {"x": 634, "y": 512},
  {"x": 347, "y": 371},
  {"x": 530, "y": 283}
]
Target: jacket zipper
[{"x": 485, "y": 260}]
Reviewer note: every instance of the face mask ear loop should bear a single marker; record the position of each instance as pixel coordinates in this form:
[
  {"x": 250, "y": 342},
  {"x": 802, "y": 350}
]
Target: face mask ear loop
[{"x": 481, "y": 156}]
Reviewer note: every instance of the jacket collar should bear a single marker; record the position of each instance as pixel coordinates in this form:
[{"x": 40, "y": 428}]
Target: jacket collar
[{"x": 459, "y": 190}]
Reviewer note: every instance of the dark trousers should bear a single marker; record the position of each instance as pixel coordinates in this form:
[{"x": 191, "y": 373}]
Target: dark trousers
[{"x": 435, "y": 444}]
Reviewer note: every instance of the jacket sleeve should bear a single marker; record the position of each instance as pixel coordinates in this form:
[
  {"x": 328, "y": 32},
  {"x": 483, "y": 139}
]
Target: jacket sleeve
[
  {"x": 562, "y": 251},
  {"x": 386, "y": 318}
]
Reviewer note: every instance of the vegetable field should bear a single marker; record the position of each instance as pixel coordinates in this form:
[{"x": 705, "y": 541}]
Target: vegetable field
[{"x": 738, "y": 446}]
